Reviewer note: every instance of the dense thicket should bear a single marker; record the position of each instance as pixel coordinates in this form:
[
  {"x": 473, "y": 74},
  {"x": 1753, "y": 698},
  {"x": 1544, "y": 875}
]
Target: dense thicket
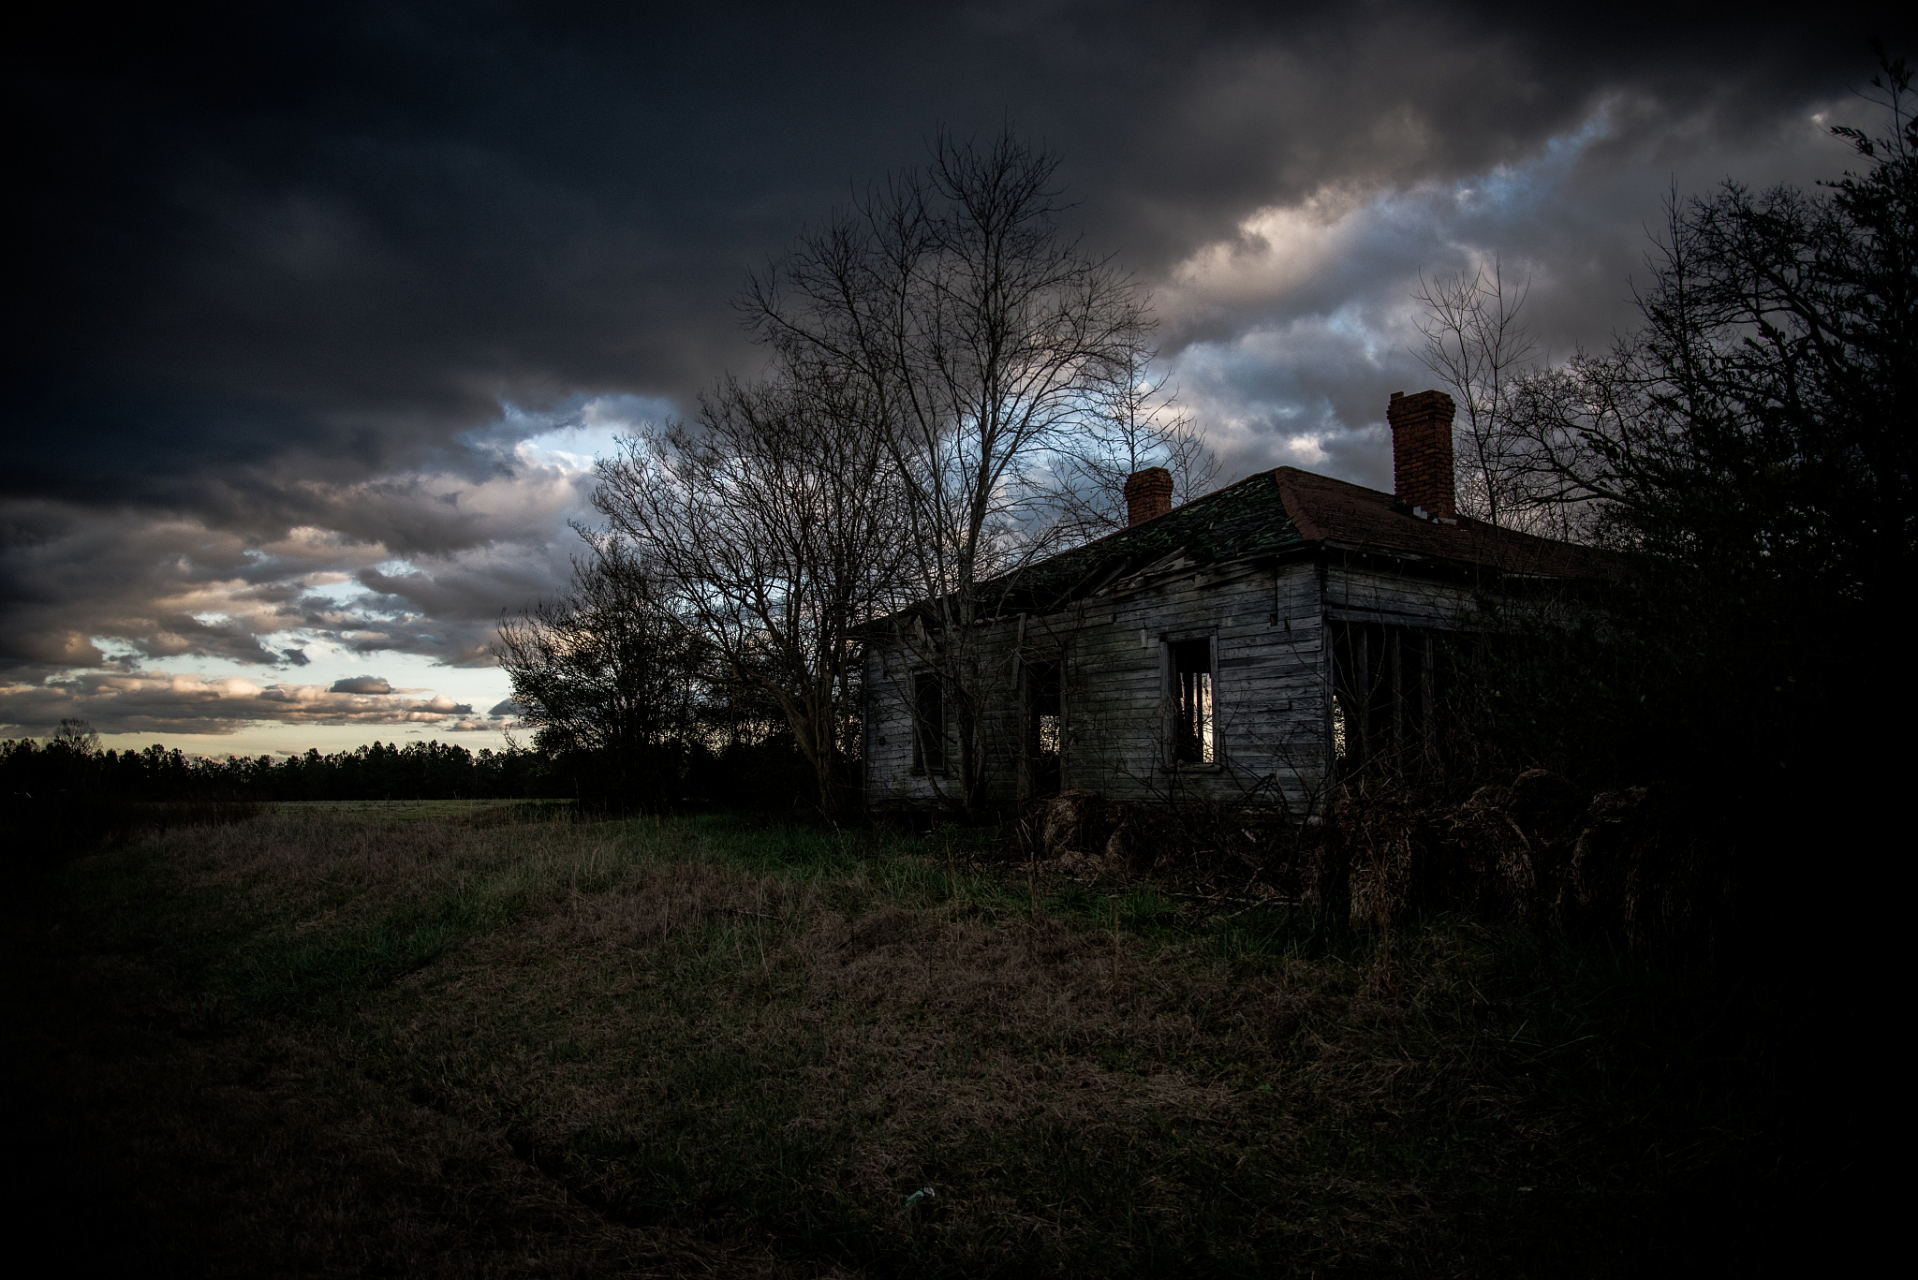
[{"x": 1748, "y": 453}]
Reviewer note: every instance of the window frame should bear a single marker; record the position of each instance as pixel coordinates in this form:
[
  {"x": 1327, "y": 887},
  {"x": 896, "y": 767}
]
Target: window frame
[
  {"x": 928, "y": 763},
  {"x": 1209, "y": 740},
  {"x": 1043, "y": 680}
]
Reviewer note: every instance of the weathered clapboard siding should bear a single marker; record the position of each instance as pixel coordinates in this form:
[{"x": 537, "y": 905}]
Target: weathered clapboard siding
[
  {"x": 1269, "y": 688},
  {"x": 1364, "y": 594},
  {"x": 1271, "y": 692},
  {"x": 889, "y": 673},
  {"x": 1300, "y": 581}
]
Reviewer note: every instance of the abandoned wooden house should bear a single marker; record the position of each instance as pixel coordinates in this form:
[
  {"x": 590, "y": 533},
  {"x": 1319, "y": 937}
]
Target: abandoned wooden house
[{"x": 1243, "y": 647}]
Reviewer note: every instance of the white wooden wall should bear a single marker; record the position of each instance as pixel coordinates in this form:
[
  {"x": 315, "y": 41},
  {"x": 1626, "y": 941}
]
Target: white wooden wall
[
  {"x": 1271, "y": 687},
  {"x": 1271, "y": 692},
  {"x": 889, "y": 777},
  {"x": 1272, "y": 683}
]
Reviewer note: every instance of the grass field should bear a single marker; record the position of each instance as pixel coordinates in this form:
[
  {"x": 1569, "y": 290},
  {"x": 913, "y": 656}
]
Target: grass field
[
  {"x": 424, "y": 810},
  {"x": 347, "y": 1040}
]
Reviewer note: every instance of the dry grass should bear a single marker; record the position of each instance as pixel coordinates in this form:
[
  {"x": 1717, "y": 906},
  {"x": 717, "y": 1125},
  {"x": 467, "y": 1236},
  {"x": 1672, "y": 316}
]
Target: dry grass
[{"x": 310, "y": 1045}]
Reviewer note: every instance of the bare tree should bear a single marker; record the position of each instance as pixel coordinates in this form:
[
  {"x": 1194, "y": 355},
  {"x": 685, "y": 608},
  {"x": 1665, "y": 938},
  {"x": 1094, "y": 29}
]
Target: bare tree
[
  {"x": 1477, "y": 344},
  {"x": 981, "y": 338},
  {"x": 775, "y": 523},
  {"x": 1133, "y": 426},
  {"x": 77, "y": 736},
  {"x": 1577, "y": 434}
]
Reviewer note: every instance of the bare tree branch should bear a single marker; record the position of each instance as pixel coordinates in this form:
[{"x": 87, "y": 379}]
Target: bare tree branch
[
  {"x": 982, "y": 340},
  {"x": 1475, "y": 343},
  {"x": 776, "y": 525},
  {"x": 1132, "y": 426}
]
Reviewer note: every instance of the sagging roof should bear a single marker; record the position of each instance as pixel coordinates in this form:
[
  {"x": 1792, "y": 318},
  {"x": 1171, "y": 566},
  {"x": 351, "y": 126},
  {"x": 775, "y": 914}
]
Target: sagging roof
[
  {"x": 1351, "y": 516},
  {"x": 1277, "y": 513}
]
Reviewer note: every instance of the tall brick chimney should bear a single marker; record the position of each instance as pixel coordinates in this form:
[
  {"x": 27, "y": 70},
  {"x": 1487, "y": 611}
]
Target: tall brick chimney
[
  {"x": 1148, "y": 494},
  {"x": 1422, "y": 452}
]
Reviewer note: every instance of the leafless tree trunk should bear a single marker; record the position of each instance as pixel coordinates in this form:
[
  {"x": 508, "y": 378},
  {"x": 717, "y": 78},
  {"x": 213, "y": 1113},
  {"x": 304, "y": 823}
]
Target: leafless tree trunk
[{"x": 981, "y": 338}]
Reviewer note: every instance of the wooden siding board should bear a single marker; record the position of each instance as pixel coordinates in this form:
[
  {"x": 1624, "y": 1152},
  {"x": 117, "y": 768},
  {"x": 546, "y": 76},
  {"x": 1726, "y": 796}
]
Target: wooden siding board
[
  {"x": 1271, "y": 692},
  {"x": 1370, "y": 595}
]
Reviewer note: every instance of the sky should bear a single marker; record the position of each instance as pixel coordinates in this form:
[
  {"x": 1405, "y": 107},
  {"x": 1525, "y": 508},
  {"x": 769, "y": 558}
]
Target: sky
[{"x": 321, "y": 313}]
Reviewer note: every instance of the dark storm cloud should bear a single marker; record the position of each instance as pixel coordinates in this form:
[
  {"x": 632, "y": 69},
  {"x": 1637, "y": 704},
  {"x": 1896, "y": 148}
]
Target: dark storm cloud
[
  {"x": 152, "y": 586},
  {"x": 134, "y": 702},
  {"x": 323, "y": 244},
  {"x": 292, "y": 284}
]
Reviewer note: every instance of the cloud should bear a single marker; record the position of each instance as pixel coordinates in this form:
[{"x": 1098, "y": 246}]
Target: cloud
[
  {"x": 326, "y": 315},
  {"x": 419, "y": 564},
  {"x": 361, "y": 684},
  {"x": 1287, "y": 336},
  {"x": 160, "y": 702},
  {"x": 242, "y": 284}
]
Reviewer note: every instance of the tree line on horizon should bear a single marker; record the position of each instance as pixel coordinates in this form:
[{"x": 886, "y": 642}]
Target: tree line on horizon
[
  {"x": 72, "y": 767},
  {"x": 72, "y": 764}
]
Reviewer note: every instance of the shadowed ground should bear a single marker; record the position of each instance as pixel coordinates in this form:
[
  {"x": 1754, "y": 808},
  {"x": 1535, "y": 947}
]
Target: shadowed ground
[{"x": 335, "y": 1041}]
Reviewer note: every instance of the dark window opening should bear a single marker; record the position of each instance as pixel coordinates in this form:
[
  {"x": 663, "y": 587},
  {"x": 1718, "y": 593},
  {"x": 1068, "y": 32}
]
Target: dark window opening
[
  {"x": 1044, "y": 728},
  {"x": 1192, "y": 739},
  {"x": 1387, "y": 682},
  {"x": 928, "y": 724}
]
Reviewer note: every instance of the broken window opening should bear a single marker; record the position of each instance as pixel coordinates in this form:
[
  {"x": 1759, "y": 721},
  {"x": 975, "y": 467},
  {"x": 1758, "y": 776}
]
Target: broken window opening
[
  {"x": 928, "y": 723},
  {"x": 1048, "y": 735},
  {"x": 1044, "y": 730},
  {"x": 1193, "y": 738},
  {"x": 1387, "y": 681}
]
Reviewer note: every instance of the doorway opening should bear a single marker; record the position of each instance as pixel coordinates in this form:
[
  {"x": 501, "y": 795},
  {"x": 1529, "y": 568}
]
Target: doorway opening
[{"x": 1045, "y": 729}]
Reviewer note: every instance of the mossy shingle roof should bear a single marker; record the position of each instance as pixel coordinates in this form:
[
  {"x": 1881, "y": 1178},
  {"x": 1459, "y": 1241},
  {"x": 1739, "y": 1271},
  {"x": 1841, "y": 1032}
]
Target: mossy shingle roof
[
  {"x": 1276, "y": 513},
  {"x": 1237, "y": 522}
]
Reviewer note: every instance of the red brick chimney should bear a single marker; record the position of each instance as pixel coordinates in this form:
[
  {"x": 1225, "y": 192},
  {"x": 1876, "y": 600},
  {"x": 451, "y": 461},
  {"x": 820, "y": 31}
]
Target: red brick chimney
[
  {"x": 1148, "y": 495},
  {"x": 1422, "y": 452}
]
